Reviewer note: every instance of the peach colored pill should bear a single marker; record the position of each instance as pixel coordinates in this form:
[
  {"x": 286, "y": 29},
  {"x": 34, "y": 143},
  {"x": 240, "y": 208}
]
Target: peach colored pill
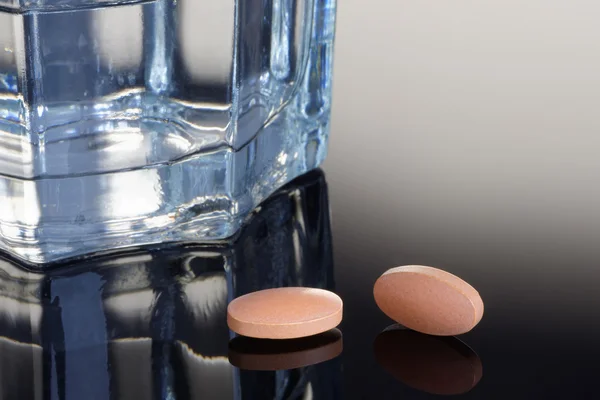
[
  {"x": 284, "y": 313},
  {"x": 428, "y": 300},
  {"x": 433, "y": 364},
  {"x": 275, "y": 355}
]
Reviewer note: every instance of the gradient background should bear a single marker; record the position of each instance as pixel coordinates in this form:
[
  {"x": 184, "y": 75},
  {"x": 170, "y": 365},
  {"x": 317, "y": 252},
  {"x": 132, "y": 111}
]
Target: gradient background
[{"x": 466, "y": 135}]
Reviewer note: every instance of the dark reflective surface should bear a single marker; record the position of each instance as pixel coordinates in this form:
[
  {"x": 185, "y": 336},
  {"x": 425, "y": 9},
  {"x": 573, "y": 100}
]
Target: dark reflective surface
[
  {"x": 432, "y": 364},
  {"x": 274, "y": 355},
  {"x": 151, "y": 323},
  {"x": 310, "y": 366}
]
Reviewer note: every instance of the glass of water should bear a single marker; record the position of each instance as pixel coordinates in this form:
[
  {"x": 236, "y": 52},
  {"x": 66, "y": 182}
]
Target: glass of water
[{"x": 127, "y": 122}]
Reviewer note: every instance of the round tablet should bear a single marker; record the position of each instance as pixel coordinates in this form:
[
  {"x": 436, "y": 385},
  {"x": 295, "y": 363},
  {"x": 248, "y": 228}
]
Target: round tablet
[
  {"x": 284, "y": 313},
  {"x": 275, "y": 355},
  {"x": 428, "y": 300},
  {"x": 433, "y": 364}
]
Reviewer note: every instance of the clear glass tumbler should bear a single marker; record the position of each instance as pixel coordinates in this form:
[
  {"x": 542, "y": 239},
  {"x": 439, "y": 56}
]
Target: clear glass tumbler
[{"x": 133, "y": 122}]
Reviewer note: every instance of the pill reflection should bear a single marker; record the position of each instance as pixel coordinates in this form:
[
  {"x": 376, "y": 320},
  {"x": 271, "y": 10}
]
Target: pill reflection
[
  {"x": 274, "y": 355},
  {"x": 432, "y": 364}
]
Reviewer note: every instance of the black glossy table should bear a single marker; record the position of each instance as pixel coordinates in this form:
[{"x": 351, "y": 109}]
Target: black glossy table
[{"x": 150, "y": 323}]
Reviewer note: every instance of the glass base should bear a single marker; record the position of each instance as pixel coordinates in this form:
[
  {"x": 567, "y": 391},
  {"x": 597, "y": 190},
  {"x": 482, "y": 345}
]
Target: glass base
[{"x": 204, "y": 196}]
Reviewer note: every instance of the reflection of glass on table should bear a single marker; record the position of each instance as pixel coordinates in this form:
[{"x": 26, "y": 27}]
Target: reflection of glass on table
[{"x": 152, "y": 321}]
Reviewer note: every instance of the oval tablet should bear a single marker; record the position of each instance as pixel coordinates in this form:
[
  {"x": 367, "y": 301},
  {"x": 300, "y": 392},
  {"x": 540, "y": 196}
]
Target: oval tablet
[
  {"x": 428, "y": 300},
  {"x": 275, "y": 355},
  {"x": 433, "y": 364},
  {"x": 284, "y": 313}
]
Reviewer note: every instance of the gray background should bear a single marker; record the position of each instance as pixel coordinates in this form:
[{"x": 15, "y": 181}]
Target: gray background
[
  {"x": 467, "y": 123},
  {"x": 468, "y": 113}
]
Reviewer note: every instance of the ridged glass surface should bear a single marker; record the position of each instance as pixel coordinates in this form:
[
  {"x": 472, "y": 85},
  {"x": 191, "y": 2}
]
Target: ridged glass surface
[{"x": 127, "y": 123}]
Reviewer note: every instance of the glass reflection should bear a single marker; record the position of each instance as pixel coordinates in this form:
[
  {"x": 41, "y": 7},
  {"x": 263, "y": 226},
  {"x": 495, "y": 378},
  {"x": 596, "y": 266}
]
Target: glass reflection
[
  {"x": 151, "y": 323},
  {"x": 440, "y": 365}
]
